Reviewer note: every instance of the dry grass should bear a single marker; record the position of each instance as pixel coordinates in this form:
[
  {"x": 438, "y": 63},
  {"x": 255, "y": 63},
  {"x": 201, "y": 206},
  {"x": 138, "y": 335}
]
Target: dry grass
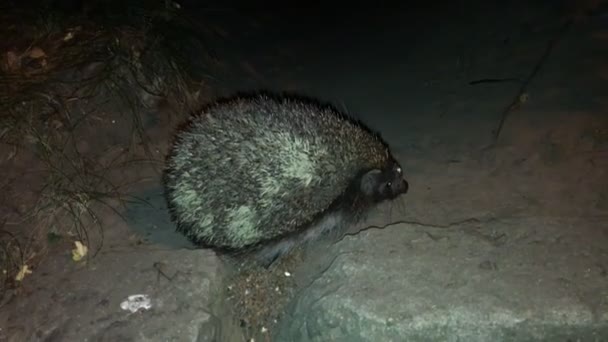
[{"x": 78, "y": 104}]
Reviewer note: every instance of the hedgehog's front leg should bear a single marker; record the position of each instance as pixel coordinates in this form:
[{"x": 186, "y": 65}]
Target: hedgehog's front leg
[
  {"x": 328, "y": 225},
  {"x": 268, "y": 254}
]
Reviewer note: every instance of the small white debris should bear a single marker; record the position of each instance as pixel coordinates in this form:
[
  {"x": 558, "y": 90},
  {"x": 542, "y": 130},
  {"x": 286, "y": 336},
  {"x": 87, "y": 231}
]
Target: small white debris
[
  {"x": 136, "y": 302},
  {"x": 264, "y": 330},
  {"x": 68, "y": 36},
  {"x": 287, "y": 274}
]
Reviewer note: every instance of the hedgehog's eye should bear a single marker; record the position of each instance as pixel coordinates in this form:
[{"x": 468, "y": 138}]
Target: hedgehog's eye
[
  {"x": 399, "y": 170},
  {"x": 389, "y": 184}
]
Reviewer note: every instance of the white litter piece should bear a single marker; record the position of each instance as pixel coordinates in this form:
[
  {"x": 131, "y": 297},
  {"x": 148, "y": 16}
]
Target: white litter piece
[{"x": 136, "y": 302}]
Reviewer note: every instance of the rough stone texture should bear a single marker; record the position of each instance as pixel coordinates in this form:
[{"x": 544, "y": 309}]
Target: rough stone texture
[
  {"x": 73, "y": 302},
  {"x": 512, "y": 280}
]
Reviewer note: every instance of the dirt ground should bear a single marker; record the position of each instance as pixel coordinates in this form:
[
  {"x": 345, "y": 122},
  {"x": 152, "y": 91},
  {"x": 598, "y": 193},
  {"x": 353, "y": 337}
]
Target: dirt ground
[{"x": 88, "y": 112}]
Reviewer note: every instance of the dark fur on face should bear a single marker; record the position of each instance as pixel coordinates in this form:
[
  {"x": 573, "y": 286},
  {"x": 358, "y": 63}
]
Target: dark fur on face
[{"x": 381, "y": 185}]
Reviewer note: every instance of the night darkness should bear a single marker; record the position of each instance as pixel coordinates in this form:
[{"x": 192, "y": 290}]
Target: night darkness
[{"x": 496, "y": 112}]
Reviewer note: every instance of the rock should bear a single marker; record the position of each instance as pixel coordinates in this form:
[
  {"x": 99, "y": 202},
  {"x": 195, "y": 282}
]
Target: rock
[
  {"x": 511, "y": 280},
  {"x": 84, "y": 303}
]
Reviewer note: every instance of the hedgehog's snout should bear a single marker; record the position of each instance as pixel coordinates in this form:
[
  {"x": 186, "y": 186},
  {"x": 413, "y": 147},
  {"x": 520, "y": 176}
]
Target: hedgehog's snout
[
  {"x": 397, "y": 187},
  {"x": 401, "y": 187}
]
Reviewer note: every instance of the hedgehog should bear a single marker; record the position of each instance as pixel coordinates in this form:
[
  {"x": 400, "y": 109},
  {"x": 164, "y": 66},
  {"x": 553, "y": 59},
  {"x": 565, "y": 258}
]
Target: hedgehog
[{"x": 259, "y": 174}]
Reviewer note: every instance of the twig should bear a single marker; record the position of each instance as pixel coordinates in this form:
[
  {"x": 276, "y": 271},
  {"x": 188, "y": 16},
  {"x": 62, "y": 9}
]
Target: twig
[
  {"x": 416, "y": 223},
  {"x": 494, "y": 80},
  {"x": 528, "y": 80}
]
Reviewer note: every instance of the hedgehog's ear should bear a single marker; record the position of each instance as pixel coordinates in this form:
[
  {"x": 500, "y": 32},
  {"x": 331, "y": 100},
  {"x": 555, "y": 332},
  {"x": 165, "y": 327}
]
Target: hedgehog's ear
[{"x": 369, "y": 182}]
